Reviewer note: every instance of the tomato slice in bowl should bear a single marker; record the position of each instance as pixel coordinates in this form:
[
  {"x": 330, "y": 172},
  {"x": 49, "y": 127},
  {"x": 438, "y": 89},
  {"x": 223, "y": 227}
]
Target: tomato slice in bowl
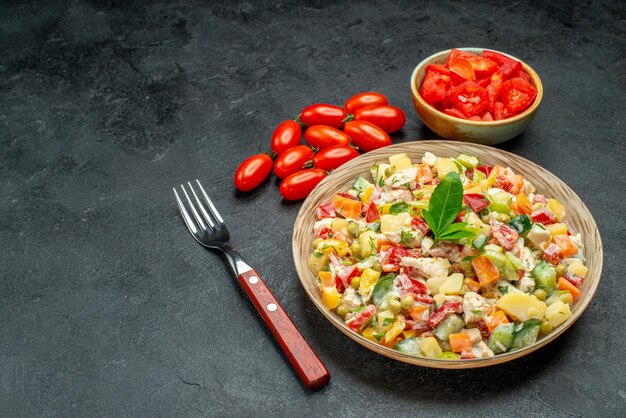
[
  {"x": 435, "y": 86},
  {"x": 461, "y": 70},
  {"x": 469, "y": 98},
  {"x": 517, "y": 94}
]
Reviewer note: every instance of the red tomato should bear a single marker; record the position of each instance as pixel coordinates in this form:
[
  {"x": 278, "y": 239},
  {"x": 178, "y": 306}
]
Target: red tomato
[
  {"x": 552, "y": 254},
  {"x": 483, "y": 66},
  {"x": 298, "y": 185},
  {"x": 517, "y": 94},
  {"x": 286, "y": 135},
  {"x": 453, "y": 111},
  {"x": 504, "y": 234},
  {"x": 493, "y": 92},
  {"x": 522, "y": 74},
  {"x": 441, "y": 69},
  {"x": 476, "y": 201},
  {"x": 292, "y": 160},
  {"x": 496, "y": 57},
  {"x": 507, "y": 70},
  {"x": 332, "y": 157},
  {"x": 372, "y": 213},
  {"x": 483, "y": 82},
  {"x": 485, "y": 169},
  {"x": 322, "y": 136},
  {"x": 323, "y": 114},
  {"x": 365, "y": 99},
  {"x": 469, "y": 98},
  {"x": 388, "y": 118},
  {"x": 462, "y": 68},
  {"x": 487, "y": 116},
  {"x": 498, "y": 111},
  {"x": 455, "y": 54},
  {"x": 435, "y": 86},
  {"x": 366, "y": 136},
  {"x": 252, "y": 171}
]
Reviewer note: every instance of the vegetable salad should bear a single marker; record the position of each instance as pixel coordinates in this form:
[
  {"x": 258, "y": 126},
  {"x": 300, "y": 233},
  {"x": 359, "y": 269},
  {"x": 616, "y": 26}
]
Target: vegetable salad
[{"x": 447, "y": 258}]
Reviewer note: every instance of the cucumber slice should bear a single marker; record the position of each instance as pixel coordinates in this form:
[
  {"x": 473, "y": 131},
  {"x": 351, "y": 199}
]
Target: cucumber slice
[
  {"x": 501, "y": 338},
  {"x": 526, "y": 333},
  {"x": 409, "y": 346},
  {"x": 545, "y": 276},
  {"x": 451, "y": 325},
  {"x": 468, "y": 161},
  {"x": 360, "y": 184}
]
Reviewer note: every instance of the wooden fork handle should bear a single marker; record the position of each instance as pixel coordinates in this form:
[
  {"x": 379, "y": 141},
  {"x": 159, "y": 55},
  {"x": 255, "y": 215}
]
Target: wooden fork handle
[{"x": 308, "y": 366}]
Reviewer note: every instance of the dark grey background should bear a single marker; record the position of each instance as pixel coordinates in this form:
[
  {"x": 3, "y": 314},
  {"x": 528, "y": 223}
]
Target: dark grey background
[{"x": 107, "y": 305}]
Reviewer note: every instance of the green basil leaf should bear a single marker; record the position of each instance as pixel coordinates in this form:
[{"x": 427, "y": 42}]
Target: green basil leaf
[
  {"x": 445, "y": 202},
  {"x": 399, "y": 207}
]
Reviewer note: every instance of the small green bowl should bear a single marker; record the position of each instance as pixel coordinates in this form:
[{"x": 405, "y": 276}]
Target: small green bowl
[{"x": 482, "y": 132}]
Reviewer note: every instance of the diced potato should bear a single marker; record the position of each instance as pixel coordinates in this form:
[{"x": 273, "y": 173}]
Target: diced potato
[
  {"x": 440, "y": 298},
  {"x": 317, "y": 261},
  {"x": 339, "y": 225},
  {"x": 367, "y": 240},
  {"x": 430, "y": 347},
  {"x": 378, "y": 172},
  {"x": 557, "y": 229},
  {"x": 453, "y": 285},
  {"x": 578, "y": 269},
  {"x": 384, "y": 319},
  {"x": 396, "y": 157},
  {"x": 445, "y": 166},
  {"x": 435, "y": 283},
  {"x": 369, "y": 277},
  {"x": 522, "y": 306},
  {"x": 334, "y": 245},
  {"x": 538, "y": 236},
  {"x": 331, "y": 297},
  {"x": 557, "y": 209},
  {"x": 558, "y": 312},
  {"x": 390, "y": 223}
]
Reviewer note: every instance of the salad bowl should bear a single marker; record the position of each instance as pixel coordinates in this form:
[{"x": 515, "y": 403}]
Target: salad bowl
[{"x": 578, "y": 216}]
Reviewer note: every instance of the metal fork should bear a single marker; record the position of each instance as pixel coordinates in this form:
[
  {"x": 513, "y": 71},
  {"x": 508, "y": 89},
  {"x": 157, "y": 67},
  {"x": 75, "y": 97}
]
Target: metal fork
[{"x": 209, "y": 229}]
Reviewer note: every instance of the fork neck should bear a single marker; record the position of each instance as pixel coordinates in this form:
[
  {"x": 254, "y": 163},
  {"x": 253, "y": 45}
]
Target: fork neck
[{"x": 236, "y": 262}]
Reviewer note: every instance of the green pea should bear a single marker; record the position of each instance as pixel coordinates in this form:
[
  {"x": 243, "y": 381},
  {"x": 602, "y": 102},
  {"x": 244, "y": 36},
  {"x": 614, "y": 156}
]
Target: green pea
[
  {"x": 342, "y": 310},
  {"x": 502, "y": 217},
  {"x": 356, "y": 282},
  {"x": 355, "y": 249},
  {"x": 352, "y": 227},
  {"x": 406, "y": 301},
  {"x": 541, "y": 294},
  {"x": 395, "y": 306},
  {"x": 546, "y": 327},
  {"x": 377, "y": 266},
  {"x": 561, "y": 269},
  {"x": 448, "y": 355}
]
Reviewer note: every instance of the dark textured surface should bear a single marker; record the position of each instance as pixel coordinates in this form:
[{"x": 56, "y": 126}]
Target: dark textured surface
[{"x": 107, "y": 305}]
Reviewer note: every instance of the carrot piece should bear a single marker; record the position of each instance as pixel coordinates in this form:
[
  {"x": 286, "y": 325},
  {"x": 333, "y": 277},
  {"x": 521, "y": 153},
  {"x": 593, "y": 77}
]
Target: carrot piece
[
  {"x": 326, "y": 277},
  {"x": 473, "y": 285},
  {"x": 460, "y": 342},
  {"x": 523, "y": 204},
  {"x": 566, "y": 246},
  {"x": 415, "y": 312},
  {"x": 485, "y": 270},
  {"x": 347, "y": 208},
  {"x": 566, "y": 285},
  {"x": 494, "y": 320}
]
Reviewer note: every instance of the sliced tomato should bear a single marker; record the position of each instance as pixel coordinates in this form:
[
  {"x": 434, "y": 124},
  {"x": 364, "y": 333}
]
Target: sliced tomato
[
  {"x": 485, "y": 169},
  {"x": 496, "y": 57},
  {"x": 517, "y": 94},
  {"x": 493, "y": 92},
  {"x": 435, "y": 86},
  {"x": 457, "y": 53},
  {"x": 487, "y": 116},
  {"x": 476, "y": 201},
  {"x": 522, "y": 74},
  {"x": 372, "y": 213},
  {"x": 483, "y": 82},
  {"x": 453, "y": 111},
  {"x": 498, "y": 111},
  {"x": 475, "y": 117},
  {"x": 469, "y": 98},
  {"x": 441, "y": 69},
  {"x": 483, "y": 66},
  {"x": 461, "y": 68},
  {"x": 420, "y": 225},
  {"x": 507, "y": 71}
]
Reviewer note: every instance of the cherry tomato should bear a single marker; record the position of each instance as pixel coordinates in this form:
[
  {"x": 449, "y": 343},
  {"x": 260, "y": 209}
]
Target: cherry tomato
[
  {"x": 286, "y": 135},
  {"x": 388, "y": 118},
  {"x": 292, "y": 160},
  {"x": 298, "y": 185},
  {"x": 362, "y": 100},
  {"x": 469, "y": 98},
  {"x": 332, "y": 157},
  {"x": 366, "y": 136},
  {"x": 252, "y": 171},
  {"x": 323, "y": 114},
  {"x": 435, "y": 85},
  {"x": 322, "y": 136},
  {"x": 517, "y": 94}
]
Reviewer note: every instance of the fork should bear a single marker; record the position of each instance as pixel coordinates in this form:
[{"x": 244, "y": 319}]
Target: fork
[{"x": 209, "y": 229}]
